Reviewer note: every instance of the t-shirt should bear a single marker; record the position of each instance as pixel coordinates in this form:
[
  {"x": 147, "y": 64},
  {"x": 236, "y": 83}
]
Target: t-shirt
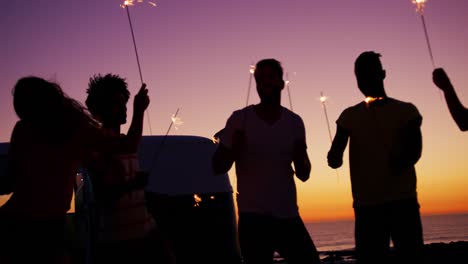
[
  {"x": 127, "y": 217},
  {"x": 265, "y": 177},
  {"x": 374, "y": 133}
]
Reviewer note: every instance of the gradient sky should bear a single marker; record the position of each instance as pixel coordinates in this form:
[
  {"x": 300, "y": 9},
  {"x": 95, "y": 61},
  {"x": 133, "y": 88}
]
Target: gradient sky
[{"x": 196, "y": 55}]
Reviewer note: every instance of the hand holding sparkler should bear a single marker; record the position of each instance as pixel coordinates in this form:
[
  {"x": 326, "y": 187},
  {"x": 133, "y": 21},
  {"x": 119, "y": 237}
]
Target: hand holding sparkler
[
  {"x": 141, "y": 101},
  {"x": 126, "y": 5},
  {"x": 339, "y": 161}
]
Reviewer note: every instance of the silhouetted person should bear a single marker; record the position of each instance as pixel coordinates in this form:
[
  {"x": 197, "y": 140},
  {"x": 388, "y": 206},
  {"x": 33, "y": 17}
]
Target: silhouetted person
[
  {"x": 48, "y": 145},
  {"x": 126, "y": 233},
  {"x": 456, "y": 108},
  {"x": 385, "y": 144},
  {"x": 263, "y": 140}
]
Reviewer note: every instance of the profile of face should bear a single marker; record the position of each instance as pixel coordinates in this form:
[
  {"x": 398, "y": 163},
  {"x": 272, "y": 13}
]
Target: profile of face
[
  {"x": 269, "y": 82},
  {"x": 116, "y": 113}
]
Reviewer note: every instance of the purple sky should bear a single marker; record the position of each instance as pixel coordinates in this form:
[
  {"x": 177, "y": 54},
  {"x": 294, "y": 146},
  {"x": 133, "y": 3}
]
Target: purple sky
[{"x": 196, "y": 55}]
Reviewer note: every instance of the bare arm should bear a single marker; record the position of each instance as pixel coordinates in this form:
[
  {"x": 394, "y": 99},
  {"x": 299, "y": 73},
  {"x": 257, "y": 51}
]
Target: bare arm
[
  {"x": 224, "y": 157},
  {"x": 457, "y": 110},
  {"x": 335, "y": 155},
  {"x": 301, "y": 161},
  {"x": 133, "y": 138}
]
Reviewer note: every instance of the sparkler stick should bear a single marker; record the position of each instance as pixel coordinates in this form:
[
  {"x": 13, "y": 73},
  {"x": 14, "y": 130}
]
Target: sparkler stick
[
  {"x": 420, "y": 4},
  {"x": 174, "y": 119},
  {"x": 289, "y": 92},
  {"x": 323, "y": 99},
  {"x": 252, "y": 71},
  {"x": 126, "y": 5}
]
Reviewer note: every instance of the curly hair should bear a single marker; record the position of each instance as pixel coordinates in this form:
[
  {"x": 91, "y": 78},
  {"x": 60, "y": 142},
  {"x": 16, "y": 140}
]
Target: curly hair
[{"x": 99, "y": 90}]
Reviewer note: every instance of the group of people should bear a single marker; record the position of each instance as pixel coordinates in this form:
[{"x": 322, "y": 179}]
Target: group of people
[
  {"x": 266, "y": 139},
  {"x": 54, "y": 139},
  {"x": 56, "y": 136}
]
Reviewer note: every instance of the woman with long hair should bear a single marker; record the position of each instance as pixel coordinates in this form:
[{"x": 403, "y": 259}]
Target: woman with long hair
[{"x": 52, "y": 139}]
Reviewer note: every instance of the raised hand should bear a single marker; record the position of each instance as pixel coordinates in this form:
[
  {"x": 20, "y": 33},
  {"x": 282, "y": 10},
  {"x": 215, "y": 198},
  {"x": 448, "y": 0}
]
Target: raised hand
[{"x": 141, "y": 100}]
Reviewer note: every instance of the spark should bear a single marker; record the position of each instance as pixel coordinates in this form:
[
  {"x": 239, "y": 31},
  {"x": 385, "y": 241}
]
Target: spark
[
  {"x": 370, "y": 99},
  {"x": 132, "y": 3},
  {"x": 252, "y": 69},
  {"x": 197, "y": 200},
  {"x": 177, "y": 121},
  {"x": 419, "y": 5}
]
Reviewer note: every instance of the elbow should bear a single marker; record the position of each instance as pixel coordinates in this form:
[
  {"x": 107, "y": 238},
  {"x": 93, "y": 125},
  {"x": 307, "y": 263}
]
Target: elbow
[{"x": 463, "y": 127}]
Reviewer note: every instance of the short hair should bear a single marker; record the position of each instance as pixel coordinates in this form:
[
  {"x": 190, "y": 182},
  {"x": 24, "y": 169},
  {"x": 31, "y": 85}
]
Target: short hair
[
  {"x": 274, "y": 64},
  {"x": 99, "y": 90},
  {"x": 367, "y": 60}
]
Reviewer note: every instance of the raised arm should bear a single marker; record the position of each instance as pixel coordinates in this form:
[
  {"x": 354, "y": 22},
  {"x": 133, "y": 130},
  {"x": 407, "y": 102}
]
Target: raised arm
[
  {"x": 133, "y": 138},
  {"x": 335, "y": 154},
  {"x": 457, "y": 110}
]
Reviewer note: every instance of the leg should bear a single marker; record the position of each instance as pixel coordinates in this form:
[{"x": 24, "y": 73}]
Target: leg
[
  {"x": 372, "y": 236},
  {"x": 255, "y": 238},
  {"x": 406, "y": 231},
  {"x": 294, "y": 243}
]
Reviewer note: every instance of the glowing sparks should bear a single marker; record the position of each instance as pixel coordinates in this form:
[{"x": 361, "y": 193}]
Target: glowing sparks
[
  {"x": 252, "y": 69},
  {"x": 197, "y": 200},
  {"x": 177, "y": 121},
  {"x": 370, "y": 100},
  {"x": 419, "y": 5},
  {"x": 323, "y": 99},
  {"x": 132, "y": 3}
]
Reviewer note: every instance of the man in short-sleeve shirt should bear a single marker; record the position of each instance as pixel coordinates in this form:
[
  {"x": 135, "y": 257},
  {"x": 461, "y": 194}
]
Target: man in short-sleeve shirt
[
  {"x": 385, "y": 144},
  {"x": 264, "y": 140}
]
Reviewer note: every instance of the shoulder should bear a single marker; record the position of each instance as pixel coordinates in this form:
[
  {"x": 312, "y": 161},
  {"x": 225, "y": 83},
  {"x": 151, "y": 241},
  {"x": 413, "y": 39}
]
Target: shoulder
[
  {"x": 404, "y": 108},
  {"x": 291, "y": 115},
  {"x": 353, "y": 110},
  {"x": 240, "y": 114}
]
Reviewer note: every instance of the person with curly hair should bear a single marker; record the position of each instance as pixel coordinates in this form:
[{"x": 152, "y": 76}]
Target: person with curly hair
[{"x": 126, "y": 233}]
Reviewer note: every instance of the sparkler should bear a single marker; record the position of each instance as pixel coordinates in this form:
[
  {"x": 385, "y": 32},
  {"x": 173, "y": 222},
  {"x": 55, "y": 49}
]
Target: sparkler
[
  {"x": 126, "y": 5},
  {"x": 323, "y": 99},
  {"x": 287, "y": 82},
  {"x": 174, "y": 120},
  {"x": 420, "y": 4},
  {"x": 251, "y": 71}
]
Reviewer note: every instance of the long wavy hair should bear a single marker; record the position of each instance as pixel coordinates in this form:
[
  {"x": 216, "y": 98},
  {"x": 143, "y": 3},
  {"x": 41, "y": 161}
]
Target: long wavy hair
[{"x": 53, "y": 115}]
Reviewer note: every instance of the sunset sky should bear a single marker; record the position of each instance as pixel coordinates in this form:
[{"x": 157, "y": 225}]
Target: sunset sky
[{"x": 195, "y": 54}]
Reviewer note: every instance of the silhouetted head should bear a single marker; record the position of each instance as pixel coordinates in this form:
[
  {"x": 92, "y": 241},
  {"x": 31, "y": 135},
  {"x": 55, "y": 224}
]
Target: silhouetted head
[
  {"x": 269, "y": 77},
  {"x": 107, "y": 99},
  {"x": 370, "y": 74},
  {"x": 36, "y": 99},
  {"x": 53, "y": 115}
]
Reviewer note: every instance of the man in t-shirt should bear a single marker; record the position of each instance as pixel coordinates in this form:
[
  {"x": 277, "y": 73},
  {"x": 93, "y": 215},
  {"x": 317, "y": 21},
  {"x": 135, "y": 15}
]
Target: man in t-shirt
[
  {"x": 264, "y": 140},
  {"x": 385, "y": 144}
]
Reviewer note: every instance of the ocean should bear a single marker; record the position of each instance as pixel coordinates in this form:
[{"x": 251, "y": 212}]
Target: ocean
[{"x": 339, "y": 235}]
